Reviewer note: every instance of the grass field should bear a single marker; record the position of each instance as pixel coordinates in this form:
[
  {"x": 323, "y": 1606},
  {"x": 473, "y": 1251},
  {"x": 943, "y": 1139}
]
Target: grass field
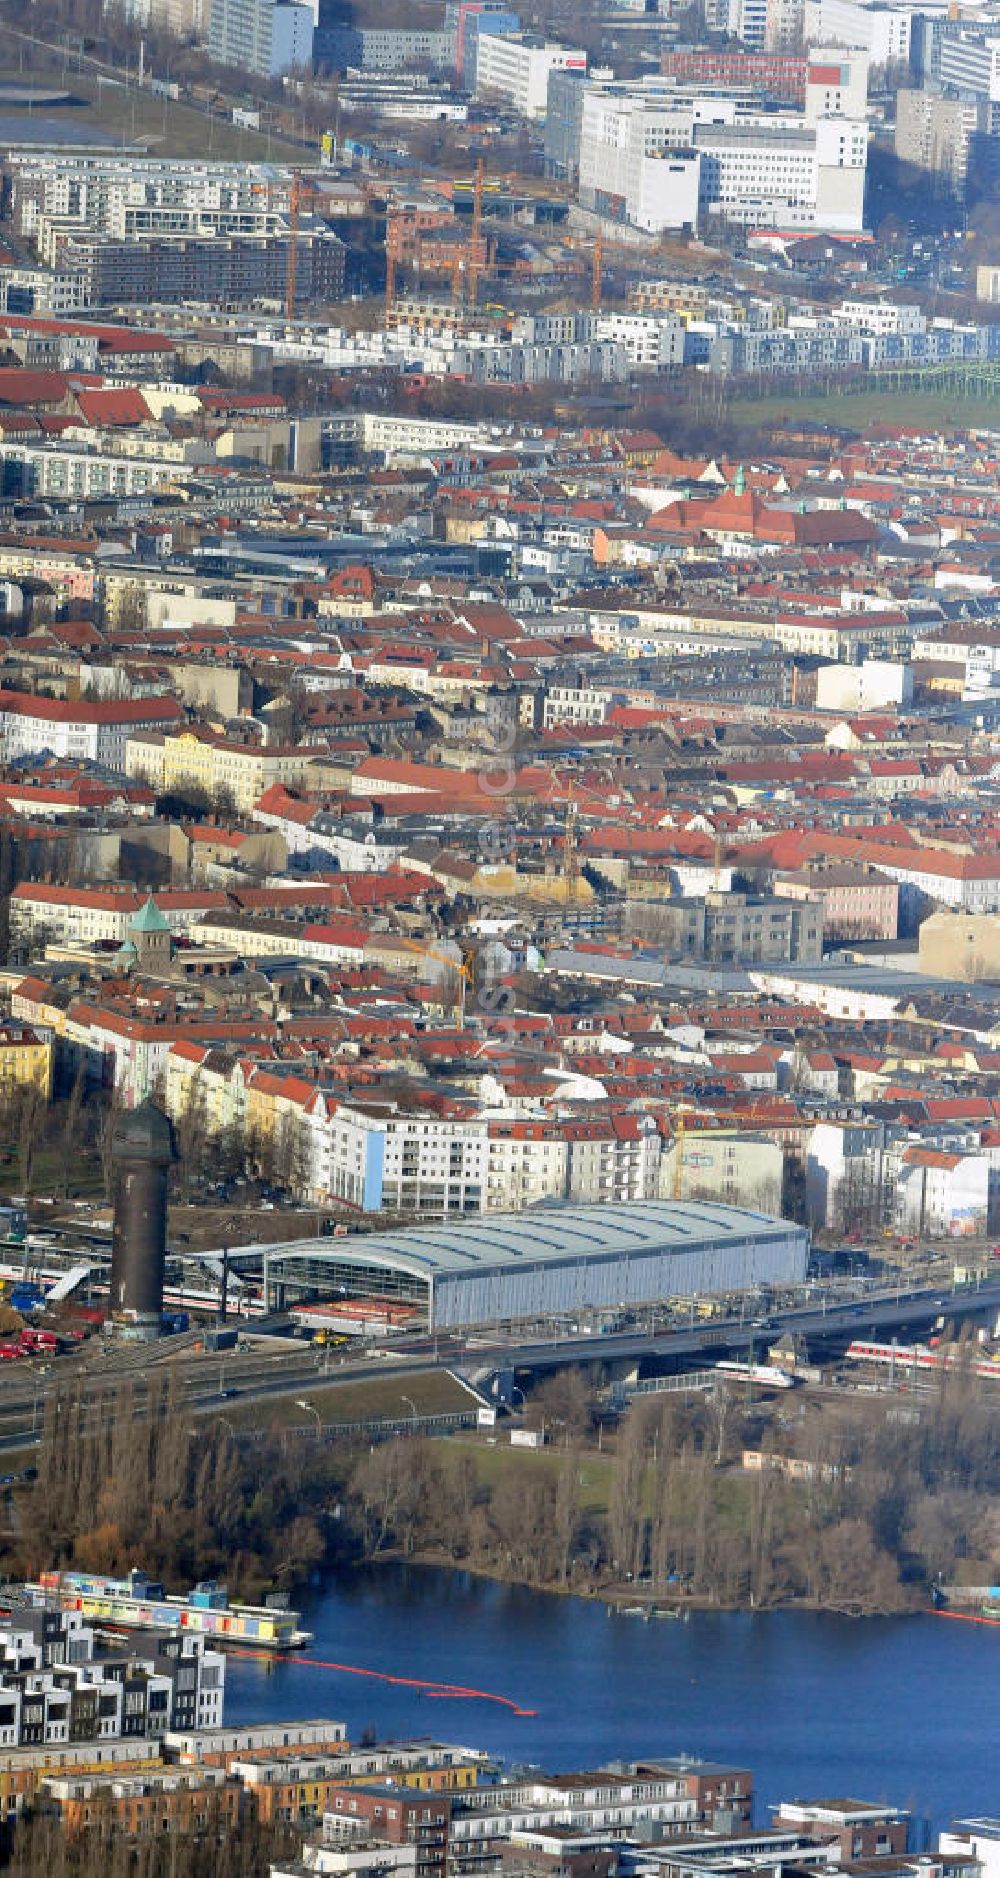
[
  {"x": 131, "y": 116},
  {"x": 494, "y": 1464},
  {"x": 86, "y": 1179},
  {"x": 866, "y": 411},
  {"x": 383, "y": 1398}
]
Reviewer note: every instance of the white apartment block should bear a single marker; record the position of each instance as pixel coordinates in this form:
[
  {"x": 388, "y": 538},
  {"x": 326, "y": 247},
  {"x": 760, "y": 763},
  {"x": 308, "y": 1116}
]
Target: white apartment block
[
  {"x": 84, "y": 475},
  {"x": 880, "y": 317},
  {"x": 575, "y": 704},
  {"x": 517, "y": 68},
  {"x": 84, "y": 731},
  {"x": 882, "y": 31},
  {"x": 381, "y": 1161},
  {"x": 96, "y": 915},
  {"x": 783, "y": 29},
  {"x": 128, "y": 198},
  {"x": 267, "y": 37}
]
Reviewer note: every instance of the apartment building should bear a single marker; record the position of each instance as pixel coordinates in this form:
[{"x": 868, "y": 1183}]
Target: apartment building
[
  {"x": 516, "y": 68},
  {"x": 145, "y": 1805},
  {"x": 67, "y": 568},
  {"x": 266, "y": 37},
  {"x": 723, "y": 1165},
  {"x": 200, "y": 759},
  {"x": 231, "y": 270},
  {"x": 51, "y": 470},
  {"x": 576, "y": 704},
  {"x": 858, "y": 903},
  {"x": 942, "y": 1194},
  {"x": 730, "y": 928},
  {"x": 612, "y": 1159},
  {"x": 397, "y": 1815},
  {"x": 95, "y": 731},
  {"x": 164, "y": 229},
  {"x": 384, "y": 1161},
  {"x": 937, "y": 134},
  {"x": 87, "y": 916},
  {"x": 26, "y": 1060},
  {"x": 615, "y": 1805},
  {"x": 55, "y": 1689},
  {"x": 134, "y": 198}
]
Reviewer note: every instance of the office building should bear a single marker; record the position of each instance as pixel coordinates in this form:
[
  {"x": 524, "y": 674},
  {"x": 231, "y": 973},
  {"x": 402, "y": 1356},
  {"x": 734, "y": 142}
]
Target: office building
[
  {"x": 477, "y": 26},
  {"x": 660, "y": 157},
  {"x": 517, "y": 67},
  {"x": 384, "y": 48}
]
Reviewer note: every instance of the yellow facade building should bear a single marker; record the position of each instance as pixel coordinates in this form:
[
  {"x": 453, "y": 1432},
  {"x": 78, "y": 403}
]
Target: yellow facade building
[{"x": 26, "y": 1061}]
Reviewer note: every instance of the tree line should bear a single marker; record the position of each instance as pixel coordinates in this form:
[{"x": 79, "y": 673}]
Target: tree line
[
  {"x": 37, "y": 1843},
  {"x": 892, "y": 1495},
  {"x": 126, "y": 1477}
]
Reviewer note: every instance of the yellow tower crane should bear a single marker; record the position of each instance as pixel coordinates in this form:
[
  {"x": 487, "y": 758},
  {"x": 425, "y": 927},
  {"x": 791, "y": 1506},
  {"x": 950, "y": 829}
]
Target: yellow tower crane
[{"x": 465, "y": 968}]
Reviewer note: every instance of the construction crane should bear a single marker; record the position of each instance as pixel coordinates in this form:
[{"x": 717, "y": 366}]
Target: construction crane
[
  {"x": 597, "y": 274},
  {"x": 681, "y": 1113},
  {"x": 571, "y": 857},
  {"x": 465, "y": 968},
  {"x": 475, "y": 242},
  {"x": 292, "y": 260}
]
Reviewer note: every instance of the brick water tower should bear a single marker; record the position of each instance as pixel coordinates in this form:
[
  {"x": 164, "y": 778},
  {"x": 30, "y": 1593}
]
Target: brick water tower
[{"x": 142, "y": 1152}]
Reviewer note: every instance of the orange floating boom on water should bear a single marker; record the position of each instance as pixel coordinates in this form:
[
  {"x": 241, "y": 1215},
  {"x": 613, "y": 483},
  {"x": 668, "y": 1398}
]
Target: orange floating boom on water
[
  {"x": 442, "y": 1690},
  {"x": 968, "y": 1617}
]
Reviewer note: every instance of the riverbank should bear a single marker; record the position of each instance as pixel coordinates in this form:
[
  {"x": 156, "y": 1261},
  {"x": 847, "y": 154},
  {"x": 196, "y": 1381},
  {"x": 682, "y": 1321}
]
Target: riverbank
[
  {"x": 890, "y": 1709},
  {"x": 628, "y": 1599}
]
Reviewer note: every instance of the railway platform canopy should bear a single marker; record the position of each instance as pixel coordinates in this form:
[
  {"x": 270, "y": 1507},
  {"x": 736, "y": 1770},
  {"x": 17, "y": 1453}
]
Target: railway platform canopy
[{"x": 502, "y": 1268}]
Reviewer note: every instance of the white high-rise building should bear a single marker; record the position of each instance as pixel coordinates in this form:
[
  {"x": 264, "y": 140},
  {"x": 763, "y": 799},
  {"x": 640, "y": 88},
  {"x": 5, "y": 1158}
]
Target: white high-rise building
[
  {"x": 882, "y": 31},
  {"x": 267, "y": 37},
  {"x": 836, "y": 82},
  {"x": 517, "y": 67}
]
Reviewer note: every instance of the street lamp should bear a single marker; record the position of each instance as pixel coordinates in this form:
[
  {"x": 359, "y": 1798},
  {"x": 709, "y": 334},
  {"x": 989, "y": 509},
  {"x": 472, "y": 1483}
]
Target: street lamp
[
  {"x": 412, "y": 1404},
  {"x": 311, "y": 1409}
]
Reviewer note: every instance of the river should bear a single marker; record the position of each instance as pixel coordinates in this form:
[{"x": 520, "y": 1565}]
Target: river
[{"x": 899, "y": 1709}]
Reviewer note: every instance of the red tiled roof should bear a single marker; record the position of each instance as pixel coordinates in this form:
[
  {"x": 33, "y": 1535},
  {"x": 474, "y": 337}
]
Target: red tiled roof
[{"x": 122, "y": 406}]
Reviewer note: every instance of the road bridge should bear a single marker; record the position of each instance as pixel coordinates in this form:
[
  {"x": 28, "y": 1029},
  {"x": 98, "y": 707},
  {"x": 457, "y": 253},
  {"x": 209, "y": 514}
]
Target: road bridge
[{"x": 823, "y": 1326}]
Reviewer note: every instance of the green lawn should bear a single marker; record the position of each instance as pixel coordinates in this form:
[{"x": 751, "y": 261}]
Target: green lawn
[
  {"x": 48, "y": 1174},
  {"x": 865, "y": 411},
  {"x": 493, "y": 1464},
  {"x": 383, "y": 1398}
]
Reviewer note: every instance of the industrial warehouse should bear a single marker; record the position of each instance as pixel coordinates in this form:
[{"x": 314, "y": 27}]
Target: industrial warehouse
[{"x": 563, "y": 1259}]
